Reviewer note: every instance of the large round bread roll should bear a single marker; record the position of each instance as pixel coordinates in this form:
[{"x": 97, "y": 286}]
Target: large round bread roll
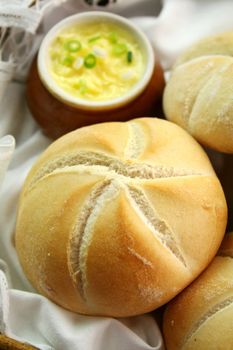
[
  {"x": 201, "y": 317},
  {"x": 117, "y": 218},
  {"x": 198, "y": 95}
]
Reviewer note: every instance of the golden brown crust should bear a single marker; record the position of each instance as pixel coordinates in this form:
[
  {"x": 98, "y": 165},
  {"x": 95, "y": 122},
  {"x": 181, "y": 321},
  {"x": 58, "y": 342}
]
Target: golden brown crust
[
  {"x": 107, "y": 214},
  {"x": 198, "y": 95},
  {"x": 162, "y": 143},
  {"x": 201, "y": 316},
  {"x": 132, "y": 261}
]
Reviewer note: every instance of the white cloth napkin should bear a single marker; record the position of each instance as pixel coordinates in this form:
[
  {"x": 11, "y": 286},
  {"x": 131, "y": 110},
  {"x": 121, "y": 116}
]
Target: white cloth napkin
[
  {"x": 171, "y": 27},
  {"x": 7, "y": 145}
]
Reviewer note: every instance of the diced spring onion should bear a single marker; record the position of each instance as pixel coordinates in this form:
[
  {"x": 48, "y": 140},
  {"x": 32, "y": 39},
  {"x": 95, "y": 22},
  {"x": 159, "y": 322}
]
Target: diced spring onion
[
  {"x": 119, "y": 49},
  {"x": 82, "y": 86},
  {"x": 129, "y": 56},
  {"x": 67, "y": 61},
  {"x": 73, "y": 45},
  {"x": 94, "y": 38},
  {"x": 113, "y": 38},
  {"x": 90, "y": 61}
]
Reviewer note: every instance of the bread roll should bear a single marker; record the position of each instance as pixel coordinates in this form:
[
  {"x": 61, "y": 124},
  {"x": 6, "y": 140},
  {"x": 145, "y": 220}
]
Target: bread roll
[
  {"x": 198, "y": 96},
  {"x": 117, "y": 218},
  {"x": 201, "y": 317}
]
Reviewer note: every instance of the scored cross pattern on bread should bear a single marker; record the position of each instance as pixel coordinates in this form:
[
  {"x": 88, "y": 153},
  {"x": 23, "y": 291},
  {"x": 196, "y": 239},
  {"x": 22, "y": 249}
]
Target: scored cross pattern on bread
[
  {"x": 115, "y": 195},
  {"x": 112, "y": 167},
  {"x": 109, "y": 165},
  {"x": 198, "y": 95},
  {"x": 224, "y": 304},
  {"x": 201, "y": 316}
]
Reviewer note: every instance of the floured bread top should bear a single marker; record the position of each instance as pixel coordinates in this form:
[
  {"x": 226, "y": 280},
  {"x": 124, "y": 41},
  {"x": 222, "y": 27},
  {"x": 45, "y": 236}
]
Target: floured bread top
[
  {"x": 141, "y": 181},
  {"x": 198, "y": 95},
  {"x": 144, "y": 148},
  {"x": 220, "y": 44},
  {"x": 207, "y": 306}
]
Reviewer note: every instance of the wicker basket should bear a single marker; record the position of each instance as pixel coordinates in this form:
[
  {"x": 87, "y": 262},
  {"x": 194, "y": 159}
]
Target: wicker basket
[{"x": 7, "y": 343}]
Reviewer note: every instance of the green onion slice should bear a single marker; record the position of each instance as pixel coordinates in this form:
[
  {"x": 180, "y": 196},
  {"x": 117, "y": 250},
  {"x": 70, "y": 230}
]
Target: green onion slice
[
  {"x": 119, "y": 49},
  {"x": 113, "y": 38},
  {"x": 94, "y": 38},
  {"x": 67, "y": 61},
  {"x": 90, "y": 61},
  {"x": 129, "y": 56},
  {"x": 73, "y": 45},
  {"x": 82, "y": 86}
]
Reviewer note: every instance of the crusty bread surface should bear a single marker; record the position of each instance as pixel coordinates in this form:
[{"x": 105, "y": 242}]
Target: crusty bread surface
[
  {"x": 198, "y": 95},
  {"x": 201, "y": 317},
  {"x": 117, "y": 218}
]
